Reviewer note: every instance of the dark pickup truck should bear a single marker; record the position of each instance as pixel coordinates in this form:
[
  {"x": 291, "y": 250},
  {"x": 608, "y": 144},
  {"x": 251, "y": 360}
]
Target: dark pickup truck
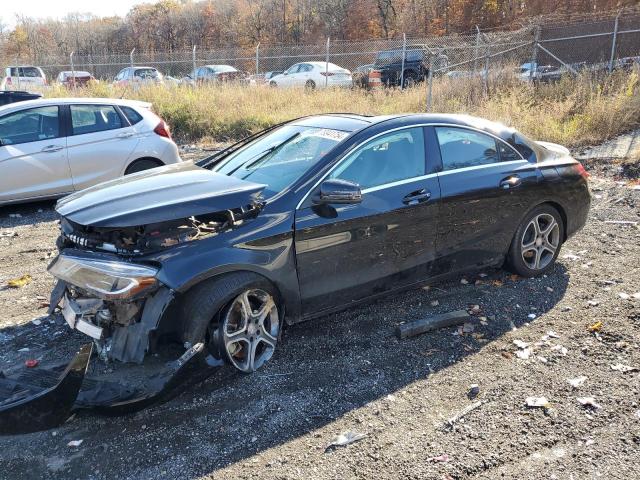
[{"x": 388, "y": 67}]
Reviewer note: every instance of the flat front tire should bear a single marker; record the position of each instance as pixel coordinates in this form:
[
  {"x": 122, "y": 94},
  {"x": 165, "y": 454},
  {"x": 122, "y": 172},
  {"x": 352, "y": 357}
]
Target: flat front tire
[{"x": 536, "y": 243}]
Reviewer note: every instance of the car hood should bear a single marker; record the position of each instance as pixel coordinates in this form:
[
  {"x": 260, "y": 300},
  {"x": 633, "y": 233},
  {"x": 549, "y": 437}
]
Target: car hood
[{"x": 167, "y": 193}]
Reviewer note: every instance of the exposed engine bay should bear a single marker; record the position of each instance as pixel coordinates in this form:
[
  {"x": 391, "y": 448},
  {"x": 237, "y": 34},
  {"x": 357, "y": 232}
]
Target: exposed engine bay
[{"x": 155, "y": 236}]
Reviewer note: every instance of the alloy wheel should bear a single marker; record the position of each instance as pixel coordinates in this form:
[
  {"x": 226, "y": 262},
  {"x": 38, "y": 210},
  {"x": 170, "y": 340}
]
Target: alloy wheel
[
  {"x": 540, "y": 241},
  {"x": 250, "y": 329}
]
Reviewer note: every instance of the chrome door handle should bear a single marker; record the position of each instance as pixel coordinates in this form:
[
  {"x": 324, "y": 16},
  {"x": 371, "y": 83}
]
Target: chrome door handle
[
  {"x": 125, "y": 135},
  {"x": 418, "y": 196},
  {"x": 510, "y": 182},
  {"x": 51, "y": 148}
]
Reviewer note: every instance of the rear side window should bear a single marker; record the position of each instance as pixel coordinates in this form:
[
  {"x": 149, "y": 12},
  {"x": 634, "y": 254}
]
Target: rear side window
[
  {"x": 507, "y": 154},
  {"x": 146, "y": 73},
  {"x": 133, "y": 116},
  {"x": 461, "y": 148},
  {"x": 30, "y": 125},
  {"x": 94, "y": 118}
]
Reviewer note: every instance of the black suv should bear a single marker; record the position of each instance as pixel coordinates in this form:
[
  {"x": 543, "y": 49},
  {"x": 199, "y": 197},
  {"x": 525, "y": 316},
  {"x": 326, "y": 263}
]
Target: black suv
[{"x": 387, "y": 69}]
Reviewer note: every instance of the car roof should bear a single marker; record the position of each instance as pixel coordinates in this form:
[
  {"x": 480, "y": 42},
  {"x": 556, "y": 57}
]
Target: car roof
[
  {"x": 67, "y": 101},
  {"x": 351, "y": 122}
]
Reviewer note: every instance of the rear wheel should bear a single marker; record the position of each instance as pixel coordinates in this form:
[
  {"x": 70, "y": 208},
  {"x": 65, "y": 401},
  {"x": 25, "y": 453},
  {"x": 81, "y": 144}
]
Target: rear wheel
[
  {"x": 237, "y": 316},
  {"x": 142, "y": 164},
  {"x": 537, "y": 242},
  {"x": 410, "y": 80}
]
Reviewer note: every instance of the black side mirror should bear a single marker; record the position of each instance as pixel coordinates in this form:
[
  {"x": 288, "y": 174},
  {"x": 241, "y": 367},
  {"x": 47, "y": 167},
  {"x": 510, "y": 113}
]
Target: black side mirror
[{"x": 338, "y": 191}]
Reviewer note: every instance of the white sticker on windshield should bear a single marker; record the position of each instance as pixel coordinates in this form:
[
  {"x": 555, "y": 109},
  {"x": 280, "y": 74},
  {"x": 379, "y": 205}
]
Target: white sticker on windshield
[{"x": 328, "y": 133}]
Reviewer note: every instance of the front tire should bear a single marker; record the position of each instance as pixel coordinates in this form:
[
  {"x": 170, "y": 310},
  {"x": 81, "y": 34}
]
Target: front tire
[
  {"x": 536, "y": 243},
  {"x": 310, "y": 85},
  {"x": 237, "y": 316}
]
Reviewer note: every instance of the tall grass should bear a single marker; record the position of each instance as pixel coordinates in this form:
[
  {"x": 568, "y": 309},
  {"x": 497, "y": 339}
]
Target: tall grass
[{"x": 574, "y": 111}]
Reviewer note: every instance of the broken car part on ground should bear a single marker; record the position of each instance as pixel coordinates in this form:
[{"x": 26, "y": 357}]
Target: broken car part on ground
[{"x": 308, "y": 218}]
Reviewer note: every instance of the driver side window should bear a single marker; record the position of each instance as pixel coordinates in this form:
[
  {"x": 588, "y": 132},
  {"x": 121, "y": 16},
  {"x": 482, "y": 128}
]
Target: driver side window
[
  {"x": 392, "y": 157},
  {"x": 293, "y": 69}
]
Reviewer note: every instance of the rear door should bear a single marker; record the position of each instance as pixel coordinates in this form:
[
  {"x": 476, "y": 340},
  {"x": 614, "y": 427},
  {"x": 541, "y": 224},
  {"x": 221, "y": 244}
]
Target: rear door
[
  {"x": 486, "y": 188},
  {"x": 33, "y": 154},
  {"x": 346, "y": 253},
  {"x": 99, "y": 144}
]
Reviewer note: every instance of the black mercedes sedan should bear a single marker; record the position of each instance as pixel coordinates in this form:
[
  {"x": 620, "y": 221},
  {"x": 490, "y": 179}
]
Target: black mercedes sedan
[{"x": 305, "y": 218}]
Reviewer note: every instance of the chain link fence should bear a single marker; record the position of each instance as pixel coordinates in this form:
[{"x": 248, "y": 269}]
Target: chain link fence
[{"x": 536, "y": 50}]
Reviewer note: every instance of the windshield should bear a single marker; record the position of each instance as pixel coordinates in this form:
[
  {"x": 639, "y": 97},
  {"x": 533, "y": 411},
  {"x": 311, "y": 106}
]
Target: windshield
[{"x": 281, "y": 157}]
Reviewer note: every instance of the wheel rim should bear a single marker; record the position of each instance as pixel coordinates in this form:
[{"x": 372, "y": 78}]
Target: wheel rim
[
  {"x": 250, "y": 329},
  {"x": 540, "y": 241}
]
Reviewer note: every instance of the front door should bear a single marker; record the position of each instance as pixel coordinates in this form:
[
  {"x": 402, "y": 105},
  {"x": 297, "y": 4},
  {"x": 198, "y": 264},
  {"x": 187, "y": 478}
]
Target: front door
[
  {"x": 347, "y": 253},
  {"x": 486, "y": 189},
  {"x": 100, "y": 143},
  {"x": 33, "y": 155}
]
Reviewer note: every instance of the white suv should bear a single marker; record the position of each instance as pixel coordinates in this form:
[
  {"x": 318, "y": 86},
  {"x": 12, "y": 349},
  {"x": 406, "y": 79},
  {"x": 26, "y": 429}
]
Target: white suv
[
  {"x": 52, "y": 147},
  {"x": 21, "y": 78}
]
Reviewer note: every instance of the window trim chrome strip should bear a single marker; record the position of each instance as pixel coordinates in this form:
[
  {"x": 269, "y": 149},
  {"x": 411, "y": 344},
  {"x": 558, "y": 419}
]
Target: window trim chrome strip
[{"x": 409, "y": 180}]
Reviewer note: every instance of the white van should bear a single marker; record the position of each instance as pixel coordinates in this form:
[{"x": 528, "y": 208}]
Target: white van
[{"x": 23, "y": 77}]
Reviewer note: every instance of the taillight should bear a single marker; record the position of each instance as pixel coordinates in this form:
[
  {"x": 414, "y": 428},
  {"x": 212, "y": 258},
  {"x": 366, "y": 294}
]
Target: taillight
[
  {"x": 163, "y": 130},
  {"x": 327, "y": 74},
  {"x": 582, "y": 171}
]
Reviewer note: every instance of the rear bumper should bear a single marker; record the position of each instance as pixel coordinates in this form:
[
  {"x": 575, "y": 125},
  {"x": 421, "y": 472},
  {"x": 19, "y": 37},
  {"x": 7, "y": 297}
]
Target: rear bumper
[{"x": 579, "y": 211}]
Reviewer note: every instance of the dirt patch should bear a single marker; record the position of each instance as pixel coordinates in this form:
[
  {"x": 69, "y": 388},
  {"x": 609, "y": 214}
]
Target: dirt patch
[{"x": 348, "y": 372}]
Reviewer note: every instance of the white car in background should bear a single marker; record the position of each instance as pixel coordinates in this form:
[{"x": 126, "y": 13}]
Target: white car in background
[
  {"x": 53, "y": 147},
  {"x": 313, "y": 75},
  {"x": 22, "y": 78}
]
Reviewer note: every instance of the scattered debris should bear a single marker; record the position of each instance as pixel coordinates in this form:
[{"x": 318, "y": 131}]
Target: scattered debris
[
  {"x": 531, "y": 316},
  {"x": 624, "y": 296},
  {"x": 576, "y": 382},
  {"x": 549, "y": 289},
  {"x": 570, "y": 256},
  {"x": 524, "y": 353},
  {"x": 32, "y": 363},
  {"x": 596, "y": 327},
  {"x": 593, "y": 303},
  {"x": 439, "y": 459},
  {"x": 588, "y": 402},
  {"x": 462, "y": 413},
  {"x": 432, "y": 322},
  {"x": 520, "y": 344},
  {"x": 434, "y": 303},
  {"x": 624, "y": 368},
  {"x": 474, "y": 390},
  {"x": 75, "y": 443},
  {"x": 8, "y": 234},
  {"x": 468, "y": 327},
  {"x": 621, "y": 222},
  {"x": 19, "y": 282},
  {"x": 15, "y": 215},
  {"x": 37, "y": 322},
  {"x": 552, "y": 334},
  {"x": 25, "y": 349},
  {"x": 560, "y": 348},
  {"x": 344, "y": 439},
  {"x": 464, "y": 281},
  {"x": 537, "y": 402}
]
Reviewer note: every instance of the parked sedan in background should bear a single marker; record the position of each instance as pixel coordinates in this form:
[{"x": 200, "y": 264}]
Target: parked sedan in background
[
  {"x": 304, "y": 219},
  {"x": 136, "y": 76},
  {"x": 313, "y": 75},
  {"x": 217, "y": 73},
  {"x": 76, "y": 78},
  {"x": 52, "y": 147}
]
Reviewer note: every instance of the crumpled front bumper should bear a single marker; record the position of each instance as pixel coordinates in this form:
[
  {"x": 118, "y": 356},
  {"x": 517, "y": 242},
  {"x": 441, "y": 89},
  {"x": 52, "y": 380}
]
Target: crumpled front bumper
[{"x": 38, "y": 399}]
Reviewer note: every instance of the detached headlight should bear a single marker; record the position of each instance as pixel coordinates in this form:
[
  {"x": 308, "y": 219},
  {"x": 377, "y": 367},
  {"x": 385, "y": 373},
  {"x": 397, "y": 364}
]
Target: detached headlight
[{"x": 105, "y": 279}]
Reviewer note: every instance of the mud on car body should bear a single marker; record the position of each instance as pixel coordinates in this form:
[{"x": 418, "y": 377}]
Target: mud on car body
[{"x": 303, "y": 219}]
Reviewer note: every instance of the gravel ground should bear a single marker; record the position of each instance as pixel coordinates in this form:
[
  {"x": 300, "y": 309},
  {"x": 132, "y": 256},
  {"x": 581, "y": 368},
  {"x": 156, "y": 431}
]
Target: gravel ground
[{"x": 348, "y": 373}]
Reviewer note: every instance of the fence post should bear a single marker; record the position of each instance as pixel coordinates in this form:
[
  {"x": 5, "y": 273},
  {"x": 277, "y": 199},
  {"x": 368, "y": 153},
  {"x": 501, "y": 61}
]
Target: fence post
[
  {"x": 404, "y": 54},
  {"x": 485, "y": 72},
  {"x": 534, "y": 58},
  {"x": 326, "y": 77},
  {"x": 429, "y": 83},
  {"x": 193, "y": 59},
  {"x": 73, "y": 71},
  {"x": 613, "y": 42},
  {"x": 258, "y": 59},
  {"x": 477, "y": 50},
  {"x": 131, "y": 56},
  {"x": 17, "y": 64}
]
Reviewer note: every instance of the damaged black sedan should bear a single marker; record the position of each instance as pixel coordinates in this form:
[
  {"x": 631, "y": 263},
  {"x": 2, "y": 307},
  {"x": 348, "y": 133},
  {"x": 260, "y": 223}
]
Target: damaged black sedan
[{"x": 303, "y": 219}]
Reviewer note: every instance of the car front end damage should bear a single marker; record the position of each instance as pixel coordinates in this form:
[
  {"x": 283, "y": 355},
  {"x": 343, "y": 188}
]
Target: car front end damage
[{"x": 108, "y": 288}]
